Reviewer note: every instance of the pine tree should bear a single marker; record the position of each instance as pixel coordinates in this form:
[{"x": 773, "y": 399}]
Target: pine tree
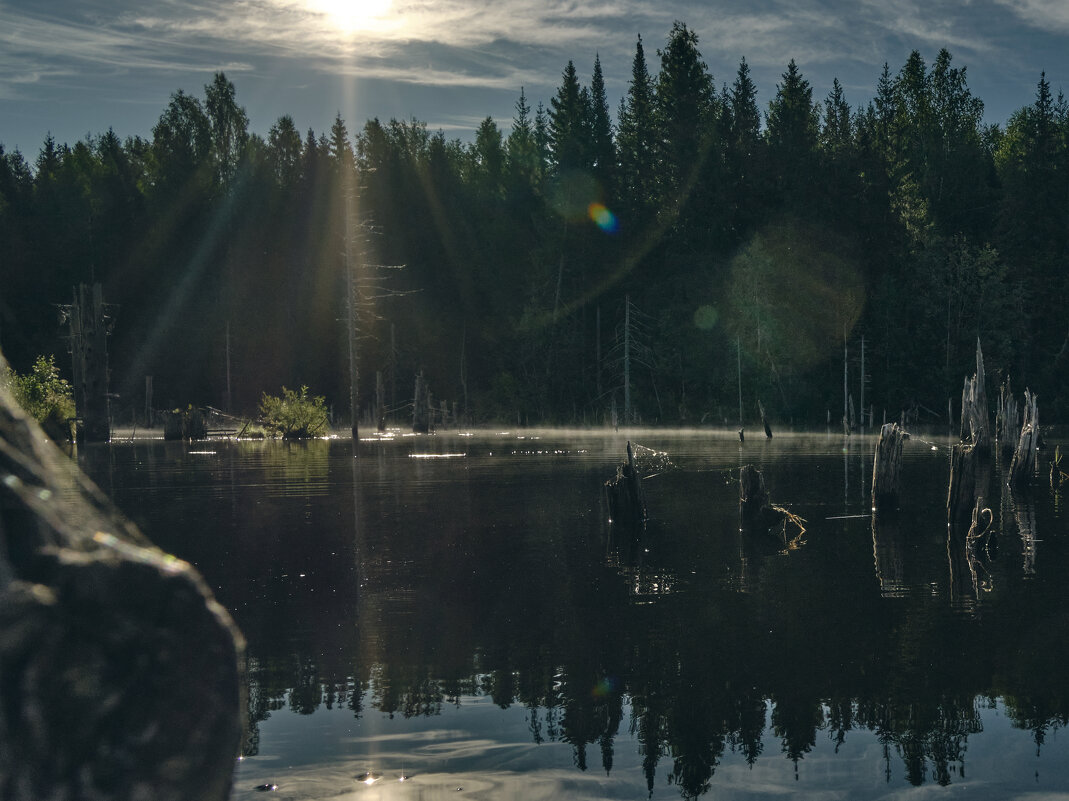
[
  {"x": 685, "y": 111},
  {"x": 636, "y": 142},
  {"x": 793, "y": 125},
  {"x": 602, "y": 149},
  {"x": 569, "y": 124}
]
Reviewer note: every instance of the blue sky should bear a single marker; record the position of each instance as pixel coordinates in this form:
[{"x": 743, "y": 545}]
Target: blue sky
[{"x": 78, "y": 67}]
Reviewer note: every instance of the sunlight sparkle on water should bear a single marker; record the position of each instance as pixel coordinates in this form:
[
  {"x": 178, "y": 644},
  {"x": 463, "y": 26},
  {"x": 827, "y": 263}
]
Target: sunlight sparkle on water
[{"x": 437, "y": 455}]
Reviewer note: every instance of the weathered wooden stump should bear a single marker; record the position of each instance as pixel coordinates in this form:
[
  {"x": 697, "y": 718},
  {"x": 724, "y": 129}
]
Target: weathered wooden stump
[
  {"x": 1023, "y": 464},
  {"x": 764, "y": 420},
  {"x": 975, "y": 428},
  {"x": 970, "y": 474},
  {"x": 753, "y": 497},
  {"x": 757, "y": 515},
  {"x": 1007, "y": 420},
  {"x": 120, "y": 672},
  {"x": 627, "y": 504},
  {"x": 184, "y": 424},
  {"x": 886, "y": 467}
]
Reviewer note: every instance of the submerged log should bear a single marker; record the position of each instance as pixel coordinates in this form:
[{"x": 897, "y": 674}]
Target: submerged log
[
  {"x": 1023, "y": 464},
  {"x": 885, "y": 468},
  {"x": 120, "y": 672},
  {"x": 627, "y": 505}
]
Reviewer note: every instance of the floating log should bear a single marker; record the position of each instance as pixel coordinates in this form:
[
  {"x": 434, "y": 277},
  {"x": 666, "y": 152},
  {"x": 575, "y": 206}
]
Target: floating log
[
  {"x": 627, "y": 505},
  {"x": 886, "y": 467},
  {"x": 1024, "y": 457}
]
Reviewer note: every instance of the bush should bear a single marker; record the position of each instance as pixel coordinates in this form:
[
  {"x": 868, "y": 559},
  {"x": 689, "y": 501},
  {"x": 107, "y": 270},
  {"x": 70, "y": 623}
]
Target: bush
[
  {"x": 45, "y": 396},
  {"x": 295, "y": 415}
]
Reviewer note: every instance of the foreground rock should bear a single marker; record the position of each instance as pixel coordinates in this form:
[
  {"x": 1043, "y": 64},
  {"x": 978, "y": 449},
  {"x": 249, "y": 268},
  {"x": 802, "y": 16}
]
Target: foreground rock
[{"x": 119, "y": 673}]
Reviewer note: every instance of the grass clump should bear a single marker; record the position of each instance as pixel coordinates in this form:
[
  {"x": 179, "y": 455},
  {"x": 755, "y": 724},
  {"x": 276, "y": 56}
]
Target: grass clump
[
  {"x": 45, "y": 396},
  {"x": 294, "y": 415}
]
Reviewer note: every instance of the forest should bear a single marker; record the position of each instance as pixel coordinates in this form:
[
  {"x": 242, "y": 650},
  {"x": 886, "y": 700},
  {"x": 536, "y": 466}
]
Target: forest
[{"x": 670, "y": 262}]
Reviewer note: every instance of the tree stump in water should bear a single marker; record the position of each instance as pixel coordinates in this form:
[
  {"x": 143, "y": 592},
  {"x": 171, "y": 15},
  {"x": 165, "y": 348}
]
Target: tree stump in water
[
  {"x": 970, "y": 474},
  {"x": 764, "y": 420},
  {"x": 1007, "y": 420},
  {"x": 627, "y": 506},
  {"x": 975, "y": 428},
  {"x": 885, "y": 468},
  {"x": 1024, "y": 457},
  {"x": 757, "y": 515}
]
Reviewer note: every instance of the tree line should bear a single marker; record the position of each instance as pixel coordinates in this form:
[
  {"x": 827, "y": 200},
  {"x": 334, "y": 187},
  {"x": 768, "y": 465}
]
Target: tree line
[{"x": 753, "y": 245}]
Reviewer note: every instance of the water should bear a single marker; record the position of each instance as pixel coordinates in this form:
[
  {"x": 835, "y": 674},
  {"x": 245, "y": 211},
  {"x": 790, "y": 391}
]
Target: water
[{"x": 456, "y": 610}]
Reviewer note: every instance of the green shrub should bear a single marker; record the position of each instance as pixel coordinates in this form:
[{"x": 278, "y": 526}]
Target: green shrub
[
  {"x": 45, "y": 396},
  {"x": 295, "y": 415}
]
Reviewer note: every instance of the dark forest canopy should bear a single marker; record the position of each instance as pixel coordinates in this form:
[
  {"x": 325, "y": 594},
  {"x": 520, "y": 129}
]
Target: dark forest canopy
[{"x": 775, "y": 234}]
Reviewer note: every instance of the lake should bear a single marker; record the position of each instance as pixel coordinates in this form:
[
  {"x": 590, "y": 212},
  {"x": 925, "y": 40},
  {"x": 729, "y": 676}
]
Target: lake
[{"x": 453, "y": 616}]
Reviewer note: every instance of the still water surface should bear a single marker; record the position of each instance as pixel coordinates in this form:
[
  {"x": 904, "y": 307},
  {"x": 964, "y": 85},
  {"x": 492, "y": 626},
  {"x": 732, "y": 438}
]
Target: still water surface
[{"x": 457, "y": 610}]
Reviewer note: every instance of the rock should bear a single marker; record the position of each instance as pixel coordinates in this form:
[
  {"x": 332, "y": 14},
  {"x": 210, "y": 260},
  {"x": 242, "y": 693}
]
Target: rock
[{"x": 119, "y": 672}]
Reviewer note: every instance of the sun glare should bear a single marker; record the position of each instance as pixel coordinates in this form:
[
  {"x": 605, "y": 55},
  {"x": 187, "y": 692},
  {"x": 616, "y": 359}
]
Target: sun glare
[{"x": 350, "y": 16}]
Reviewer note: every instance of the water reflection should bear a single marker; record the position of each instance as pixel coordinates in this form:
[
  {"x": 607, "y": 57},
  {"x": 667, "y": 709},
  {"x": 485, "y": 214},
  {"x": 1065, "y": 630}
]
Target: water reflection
[{"x": 402, "y": 590}]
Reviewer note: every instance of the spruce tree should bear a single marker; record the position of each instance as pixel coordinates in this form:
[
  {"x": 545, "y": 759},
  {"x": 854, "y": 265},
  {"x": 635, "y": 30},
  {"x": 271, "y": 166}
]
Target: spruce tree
[{"x": 636, "y": 143}]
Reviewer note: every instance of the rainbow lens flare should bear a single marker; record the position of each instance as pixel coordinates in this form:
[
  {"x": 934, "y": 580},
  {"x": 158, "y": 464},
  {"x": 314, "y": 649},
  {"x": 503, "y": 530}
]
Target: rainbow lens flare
[{"x": 603, "y": 218}]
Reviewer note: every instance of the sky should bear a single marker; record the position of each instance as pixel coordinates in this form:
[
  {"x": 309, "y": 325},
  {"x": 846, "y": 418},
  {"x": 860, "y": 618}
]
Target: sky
[{"x": 75, "y": 68}]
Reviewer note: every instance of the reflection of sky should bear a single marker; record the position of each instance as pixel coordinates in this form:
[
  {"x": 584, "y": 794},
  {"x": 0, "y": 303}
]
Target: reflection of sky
[{"x": 488, "y": 752}]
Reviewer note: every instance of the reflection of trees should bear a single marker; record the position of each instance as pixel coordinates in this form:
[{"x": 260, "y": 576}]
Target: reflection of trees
[{"x": 531, "y": 613}]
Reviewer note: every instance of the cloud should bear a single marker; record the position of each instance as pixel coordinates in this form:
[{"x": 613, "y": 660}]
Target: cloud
[{"x": 1043, "y": 14}]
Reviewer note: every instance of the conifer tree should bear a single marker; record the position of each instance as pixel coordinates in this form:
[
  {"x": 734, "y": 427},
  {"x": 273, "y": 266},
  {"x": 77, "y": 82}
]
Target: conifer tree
[
  {"x": 602, "y": 149},
  {"x": 685, "y": 111},
  {"x": 793, "y": 125},
  {"x": 569, "y": 123},
  {"x": 636, "y": 141}
]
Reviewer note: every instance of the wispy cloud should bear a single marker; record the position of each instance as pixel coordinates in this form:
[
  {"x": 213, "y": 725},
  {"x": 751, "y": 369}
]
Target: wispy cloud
[{"x": 1043, "y": 14}]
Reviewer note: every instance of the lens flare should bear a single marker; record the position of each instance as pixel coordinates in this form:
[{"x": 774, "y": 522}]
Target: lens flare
[{"x": 603, "y": 218}]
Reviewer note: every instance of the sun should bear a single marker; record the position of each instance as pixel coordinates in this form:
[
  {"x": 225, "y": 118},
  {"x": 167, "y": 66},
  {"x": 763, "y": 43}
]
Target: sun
[{"x": 349, "y": 16}]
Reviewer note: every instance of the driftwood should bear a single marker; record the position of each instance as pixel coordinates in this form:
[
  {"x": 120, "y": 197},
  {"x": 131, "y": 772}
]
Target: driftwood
[
  {"x": 1024, "y": 457},
  {"x": 885, "y": 468},
  {"x": 627, "y": 504}
]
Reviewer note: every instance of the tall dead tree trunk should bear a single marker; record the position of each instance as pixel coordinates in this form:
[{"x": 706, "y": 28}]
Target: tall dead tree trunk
[{"x": 89, "y": 355}]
